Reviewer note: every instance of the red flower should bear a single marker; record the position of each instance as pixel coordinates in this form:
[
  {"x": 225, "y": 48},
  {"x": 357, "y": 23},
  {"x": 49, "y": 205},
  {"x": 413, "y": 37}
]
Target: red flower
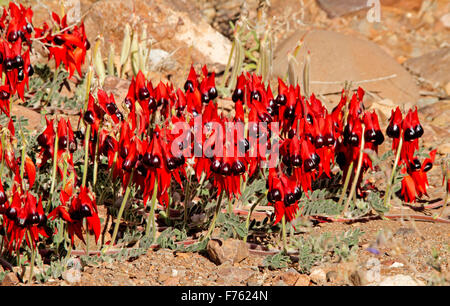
[
  {"x": 394, "y": 128},
  {"x": 81, "y": 207},
  {"x": 412, "y": 131},
  {"x": 24, "y": 214},
  {"x": 4, "y": 99},
  {"x": 208, "y": 86},
  {"x": 108, "y": 105},
  {"x": 154, "y": 159},
  {"x": 46, "y": 140},
  {"x": 240, "y": 90},
  {"x": 283, "y": 195},
  {"x": 93, "y": 114},
  {"x": 192, "y": 81},
  {"x": 415, "y": 183}
]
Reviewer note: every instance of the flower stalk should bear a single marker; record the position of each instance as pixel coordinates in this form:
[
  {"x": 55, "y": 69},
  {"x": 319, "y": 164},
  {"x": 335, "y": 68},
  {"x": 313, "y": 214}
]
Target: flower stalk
[
  {"x": 122, "y": 208},
  {"x": 387, "y": 195},
  {"x": 86, "y": 154},
  {"x": 252, "y": 208},
  {"x": 347, "y": 181},
  {"x": 216, "y": 213},
  {"x": 55, "y": 158},
  {"x": 151, "y": 216},
  {"x": 283, "y": 232},
  {"x": 358, "y": 171}
]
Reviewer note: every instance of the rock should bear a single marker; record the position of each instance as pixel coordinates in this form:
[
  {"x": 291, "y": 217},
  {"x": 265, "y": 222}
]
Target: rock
[
  {"x": 337, "y": 8},
  {"x": 400, "y": 280},
  {"x": 174, "y": 25},
  {"x": 404, "y": 231},
  {"x": 441, "y": 120},
  {"x": 33, "y": 118},
  {"x": 74, "y": 263},
  {"x": 254, "y": 281},
  {"x": 172, "y": 281},
  {"x": 444, "y": 149},
  {"x": 165, "y": 273},
  {"x": 184, "y": 255},
  {"x": 336, "y": 57},
  {"x": 119, "y": 201},
  {"x": 432, "y": 110},
  {"x": 318, "y": 276},
  {"x": 373, "y": 274},
  {"x": 72, "y": 275},
  {"x": 234, "y": 275},
  {"x": 118, "y": 87},
  {"x": 290, "y": 277},
  {"x": 332, "y": 276},
  {"x": 407, "y": 5},
  {"x": 434, "y": 66},
  {"x": 445, "y": 19},
  {"x": 356, "y": 278},
  {"x": 385, "y": 106},
  {"x": 230, "y": 250},
  {"x": 396, "y": 265},
  {"x": 161, "y": 60},
  {"x": 10, "y": 279},
  {"x": 435, "y": 136},
  {"x": 428, "y": 18},
  {"x": 227, "y": 11},
  {"x": 174, "y": 273},
  {"x": 427, "y": 101},
  {"x": 447, "y": 88},
  {"x": 303, "y": 280}
]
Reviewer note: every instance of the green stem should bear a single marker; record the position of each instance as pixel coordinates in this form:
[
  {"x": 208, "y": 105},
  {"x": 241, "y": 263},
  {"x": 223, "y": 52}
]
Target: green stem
[
  {"x": 283, "y": 230},
  {"x": 200, "y": 184},
  {"x": 358, "y": 170},
  {"x": 96, "y": 159},
  {"x": 243, "y": 181},
  {"x": 86, "y": 154},
  {"x": 22, "y": 165},
  {"x": 61, "y": 228},
  {"x": 387, "y": 195},
  {"x": 33, "y": 255},
  {"x": 88, "y": 88},
  {"x": 122, "y": 207},
  {"x": 151, "y": 216},
  {"x": 3, "y": 156},
  {"x": 227, "y": 68},
  {"x": 168, "y": 221},
  {"x": 252, "y": 208},
  {"x": 186, "y": 200},
  {"x": 216, "y": 213},
  {"x": 230, "y": 207},
  {"x": 87, "y": 236},
  {"x": 347, "y": 180},
  {"x": 55, "y": 162}
]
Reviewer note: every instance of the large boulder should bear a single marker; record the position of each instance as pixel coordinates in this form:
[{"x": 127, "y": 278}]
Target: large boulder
[
  {"x": 176, "y": 26},
  {"x": 336, "y": 57},
  {"x": 434, "y": 66},
  {"x": 337, "y": 8}
]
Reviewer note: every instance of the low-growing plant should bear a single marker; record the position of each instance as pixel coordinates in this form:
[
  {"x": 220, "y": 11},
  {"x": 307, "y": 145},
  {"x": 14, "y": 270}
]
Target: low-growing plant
[
  {"x": 313, "y": 250},
  {"x": 171, "y": 157}
]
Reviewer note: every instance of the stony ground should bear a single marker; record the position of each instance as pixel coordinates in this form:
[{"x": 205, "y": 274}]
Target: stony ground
[
  {"x": 405, "y": 257},
  {"x": 412, "y": 41}
]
